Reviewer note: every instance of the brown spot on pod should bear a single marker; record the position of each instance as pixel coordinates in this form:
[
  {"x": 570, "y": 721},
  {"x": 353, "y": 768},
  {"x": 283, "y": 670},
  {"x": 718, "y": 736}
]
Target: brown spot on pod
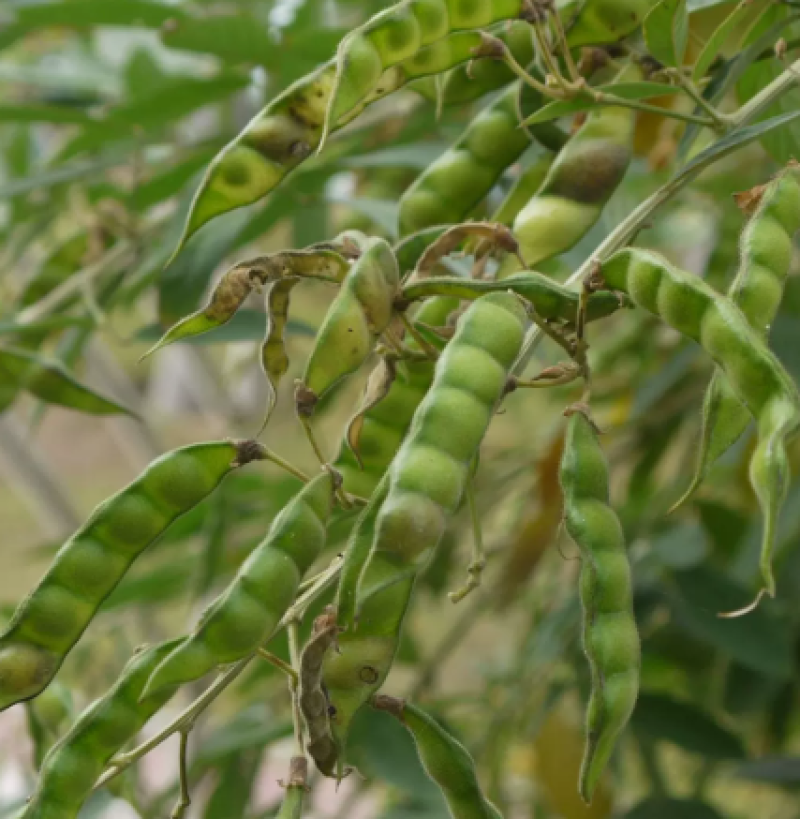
[
  {"x": 593, "y": 172},
  {"x": 368, "y": 674}
]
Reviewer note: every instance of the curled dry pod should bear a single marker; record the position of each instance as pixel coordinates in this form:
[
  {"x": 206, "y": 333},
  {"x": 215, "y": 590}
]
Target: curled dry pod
[
  {"x": 551, "y": 300},
  {"x": 449, "y": 189},
  {"x": 285, "y": 133},
  {"x": 312, "y": 697},
  {"x": 384, "y": 424},
  {"x": 755, "y": 375},
  {"x": 274, "y": 358},
  {"x": 87, "y": 568},
  {"x": 587, "y": 170},
  {"x": 73, "y": 766},
  {"x": 610, "y": 638},
  {"x": 445, "y": 759},
  {"x": 396, "y": 34},
  {"x": 405, "y": 520},
  {"x": 240, "y": 281},
  {"x": 247, "y": 613},
  {"x": 353, "y": 323},
  {"x": 51, "y": 382},
  {"x": 766, "y": 250}
]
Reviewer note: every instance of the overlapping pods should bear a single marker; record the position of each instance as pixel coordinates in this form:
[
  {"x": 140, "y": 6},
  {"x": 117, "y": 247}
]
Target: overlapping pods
[
  {"x": 766, "y": 250},
  {"x": 49, "y": 622},
  {"x": 73, "y": 766},
  {"x": 247, "y": 613},
  {"x": 754, "y": 374},
  {"x": 399, "y": 530},
  {"x": 610, "y": 638}
]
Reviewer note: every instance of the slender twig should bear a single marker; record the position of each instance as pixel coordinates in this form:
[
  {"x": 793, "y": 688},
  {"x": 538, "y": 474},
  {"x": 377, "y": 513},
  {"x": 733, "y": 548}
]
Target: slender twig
[
  {"x": 185, "y": 799},
  {"x": 273, "y": 659},
  {"x": 566, "y": 51},
  {"x": 292, "y": 630},
  {"x": 721, "y": 122},
  {"x": 425, "y": 345},
  {"x": 478, "y": 562},
  {"x": 284, "y": 464},
  {"x": 605, "y": 98}
]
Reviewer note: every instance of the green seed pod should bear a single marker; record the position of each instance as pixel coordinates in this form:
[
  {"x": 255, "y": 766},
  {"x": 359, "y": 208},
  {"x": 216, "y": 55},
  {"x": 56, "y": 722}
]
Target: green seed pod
[
  {"x": 250, "y": 609},
  {"x": 585, "y": 173},
  {"x": 285, "y": 133},
  {"x": 312, "y": 698},
  {"x": 48, "y": 623},
  {"x": 766, "y": 256},
  {"x": 469, "y": 82},
  {"x": 75, "y": 763},
  {"x": 448, "y": 190},
  {"x": 47, "y": 715},
  {"x": 274, "y": 358},
  {"x": 355, "y": 320},
  {"x": 445, "y": 759},
  {"x": 397, "y": 534},
  {"x": 396, "y": 34},
  {"x": 610, "y": 638},
  {"x": 524, "y": 188},
  {"x": 606, "y": 21},
  {"x": 385, "y": 424},
  {"x": 551, "y": 300},
  {"x": 51, "y": 382},
  {"x": 755, "y": 375},
  {"x": 240, "y": 281}
]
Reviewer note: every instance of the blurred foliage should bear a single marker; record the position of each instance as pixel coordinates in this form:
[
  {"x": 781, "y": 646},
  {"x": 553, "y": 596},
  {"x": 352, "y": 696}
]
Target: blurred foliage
[{"x": 110, "y": 111}]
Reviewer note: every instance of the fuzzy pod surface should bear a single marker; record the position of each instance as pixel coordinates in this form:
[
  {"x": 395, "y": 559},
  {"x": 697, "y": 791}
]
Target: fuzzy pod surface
[
  {"x": 398, "y": 532},
  {"x": 610, "y": 637},
  {"x": 87, "y": 568},
  {"x": 249, "y": 610},
  {"x": 755, "y": 375}
]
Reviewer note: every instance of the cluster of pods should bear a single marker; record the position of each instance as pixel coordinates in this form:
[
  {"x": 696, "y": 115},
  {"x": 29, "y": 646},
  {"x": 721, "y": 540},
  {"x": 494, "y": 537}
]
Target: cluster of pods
[{"x": 447, "y": 348}]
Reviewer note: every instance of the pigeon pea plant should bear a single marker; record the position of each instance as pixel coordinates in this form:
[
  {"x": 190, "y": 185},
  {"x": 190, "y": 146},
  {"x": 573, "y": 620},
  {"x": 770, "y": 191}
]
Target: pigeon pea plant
[{"x": 581, "y": 131}]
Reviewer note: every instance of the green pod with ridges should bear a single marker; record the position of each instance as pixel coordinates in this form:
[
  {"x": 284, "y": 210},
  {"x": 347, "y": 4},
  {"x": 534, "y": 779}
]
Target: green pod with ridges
[
  {"x": 755, "y": 375},
  {"x": 50, "y": 381},
  {"x": 73, "y": 766},
  {"x": 587, "y": 170},
  {"x": 524, "y": 188},
  {"x": 247, "y": 613},
  {"x": 386, "y": 424},
  {"x": 467, "y": 83},
  {"x": 766, "y": 256},
  {"x": 446, "y": 761},
  {"x": 448, "y": 190},
  {"x": 610, "y": 637},
  {"x": 358, "y": 315},
  {"x": 596, "y": 22},
  {"x": 289, "y": 129},
  {"x": 48, "y": 623},
  {"x": 424, "y": 486},
  {"x": 398, "y": 33},
  {"x": 551, "y": 300}
]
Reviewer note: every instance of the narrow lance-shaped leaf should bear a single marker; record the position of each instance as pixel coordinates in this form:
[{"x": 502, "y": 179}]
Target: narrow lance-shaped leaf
[
  {"x": 719, "y": 37},
  {"x": 274, "y": 358},
  {"x": 52, "y": 383},
  {"x": 237, "y": 284},
  {"x": 666, "y": 31}
]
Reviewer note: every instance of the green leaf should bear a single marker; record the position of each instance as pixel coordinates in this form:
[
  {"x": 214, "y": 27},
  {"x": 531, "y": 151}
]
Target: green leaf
[
  {"x": 784, "y": 144},
  {"x": 239, "y": 38},
  {"x": 666, "y": 32},
  {"x": 625, "y": 90},
  {"x": 718, "y": 39},
  {"x": 663, "y": 808},
  {"x": 52, "y": 383},
  {"x": 162, "y": 186},
  {"x": 759, "y": 640},
  {"x": 231, "y": 795},
  {"x": 165, "y": 105},
  {"x": 683, "y": 724},
  {"x": 43, "y": 113},
  {"x": 87, "y": 13}
]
